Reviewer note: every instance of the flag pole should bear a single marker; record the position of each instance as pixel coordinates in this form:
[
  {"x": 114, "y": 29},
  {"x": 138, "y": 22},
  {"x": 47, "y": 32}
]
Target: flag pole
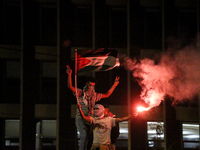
[{"x": 76, "y": 75}]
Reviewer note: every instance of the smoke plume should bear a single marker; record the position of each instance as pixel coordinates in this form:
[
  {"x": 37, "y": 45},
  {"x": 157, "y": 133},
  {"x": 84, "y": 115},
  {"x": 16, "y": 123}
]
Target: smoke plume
[{"x": 176, "y": 75}]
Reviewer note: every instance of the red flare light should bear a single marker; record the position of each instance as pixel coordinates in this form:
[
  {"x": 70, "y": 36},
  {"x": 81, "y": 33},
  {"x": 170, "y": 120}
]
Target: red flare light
[{"x": 140, "y": 109}]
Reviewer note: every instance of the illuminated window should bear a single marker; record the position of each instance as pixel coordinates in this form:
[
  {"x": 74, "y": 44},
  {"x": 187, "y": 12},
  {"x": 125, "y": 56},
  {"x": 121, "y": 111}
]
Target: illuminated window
[
  {"x": 46, "y": 132},
  {"x": 155, "y": 131},
  {"x": 122, "y": 140},
  {"x": 190, "y": 133},
  {"x": 11, "y": 132},
  {"x": 123, "y": 129}
]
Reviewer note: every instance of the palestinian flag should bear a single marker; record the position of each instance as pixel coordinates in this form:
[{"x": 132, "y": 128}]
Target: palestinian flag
[{"x": 102, "y": 59}]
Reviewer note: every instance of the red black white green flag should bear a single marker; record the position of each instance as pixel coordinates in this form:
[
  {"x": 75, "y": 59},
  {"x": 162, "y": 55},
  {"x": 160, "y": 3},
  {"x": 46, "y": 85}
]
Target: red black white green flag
[{"x": 102, "y": 59}]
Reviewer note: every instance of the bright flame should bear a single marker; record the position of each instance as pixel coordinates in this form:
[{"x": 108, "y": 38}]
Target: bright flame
[{"x": 140, "y": 109}]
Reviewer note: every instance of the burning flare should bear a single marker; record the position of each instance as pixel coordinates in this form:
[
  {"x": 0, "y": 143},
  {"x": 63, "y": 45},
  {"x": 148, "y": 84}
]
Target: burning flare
[{"x": 141, "y": 109}]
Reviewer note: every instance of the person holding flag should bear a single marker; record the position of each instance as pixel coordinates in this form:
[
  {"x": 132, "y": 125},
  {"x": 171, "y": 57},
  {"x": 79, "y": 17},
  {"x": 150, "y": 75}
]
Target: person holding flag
[{"x": 86, "y": 97}]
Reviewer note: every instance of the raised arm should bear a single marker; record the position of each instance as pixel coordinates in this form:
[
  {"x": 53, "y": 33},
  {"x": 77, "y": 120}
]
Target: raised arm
[
  {"x": 69, "y": 72},
  {"x": 87, "y": 118},
  {"x": 126, "y": 118},
  {"x": 110, "y": 91}
]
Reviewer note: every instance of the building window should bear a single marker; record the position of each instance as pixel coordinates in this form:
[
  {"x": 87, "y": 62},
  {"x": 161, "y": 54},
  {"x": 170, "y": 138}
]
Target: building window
[
  {"x": 45, "y": 133},
  {"x": 190, "y": 133},
  {"x": 122, "y": 140},
  {"x": 12, "y": 133},
  {"x": 155, "y": 133}
]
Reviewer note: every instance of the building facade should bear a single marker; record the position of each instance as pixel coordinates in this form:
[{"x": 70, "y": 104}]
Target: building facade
[{"x": 38, "y": 39}]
